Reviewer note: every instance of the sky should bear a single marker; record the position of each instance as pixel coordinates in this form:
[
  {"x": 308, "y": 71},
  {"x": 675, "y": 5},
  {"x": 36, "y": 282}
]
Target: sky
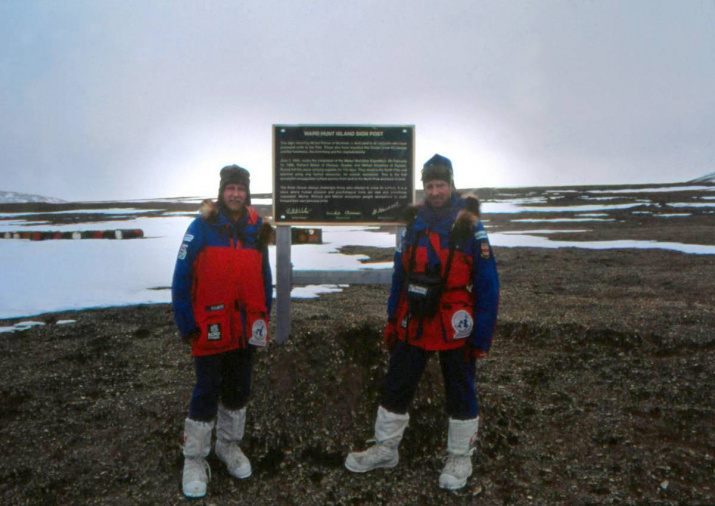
[{"x": 134, "y": 99}]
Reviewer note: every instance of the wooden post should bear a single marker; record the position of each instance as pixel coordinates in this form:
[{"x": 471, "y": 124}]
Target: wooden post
[{"x": 284, "y": 282}]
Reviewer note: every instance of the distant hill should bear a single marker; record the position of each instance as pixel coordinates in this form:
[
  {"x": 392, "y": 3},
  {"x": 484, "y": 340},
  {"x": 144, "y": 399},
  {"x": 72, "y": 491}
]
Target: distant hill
[
  {"x": 18, "y": 198},
  {"x": 707, "y": 178}
]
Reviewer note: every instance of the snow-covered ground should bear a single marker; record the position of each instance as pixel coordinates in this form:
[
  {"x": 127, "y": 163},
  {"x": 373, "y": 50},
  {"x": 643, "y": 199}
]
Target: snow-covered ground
[{"x": 56, "y": 275}]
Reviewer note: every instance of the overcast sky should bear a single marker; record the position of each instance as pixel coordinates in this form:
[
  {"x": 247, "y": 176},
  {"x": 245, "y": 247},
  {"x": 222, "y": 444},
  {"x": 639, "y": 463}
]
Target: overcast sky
[{"x": 123, "y": 99}]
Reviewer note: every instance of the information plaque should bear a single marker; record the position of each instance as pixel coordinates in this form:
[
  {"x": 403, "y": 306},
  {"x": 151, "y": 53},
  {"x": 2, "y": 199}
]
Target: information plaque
[{"x": 336, "y": 174}]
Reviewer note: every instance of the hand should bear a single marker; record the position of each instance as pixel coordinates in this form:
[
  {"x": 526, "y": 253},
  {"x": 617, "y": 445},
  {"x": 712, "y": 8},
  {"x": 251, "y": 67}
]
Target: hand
[
  {"x": 471, "y": 353},
  {"x": 390, "y": 335}
]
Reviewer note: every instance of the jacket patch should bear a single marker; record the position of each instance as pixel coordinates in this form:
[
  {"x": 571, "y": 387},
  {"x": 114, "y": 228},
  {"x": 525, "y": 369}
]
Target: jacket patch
[
  {"x": 258, "y": 333},
  {"x": 188, "y": 238},
  {"x": 481, "y": 235},
  {"x": 216, "y": 307},
  {"x": 183, "y": 250},
  {"x": 214, "y": 332},
  {"x": 398, "y": 247},
  {"x": 484, "y": 249},
  {"x": 462, "y": 323}
]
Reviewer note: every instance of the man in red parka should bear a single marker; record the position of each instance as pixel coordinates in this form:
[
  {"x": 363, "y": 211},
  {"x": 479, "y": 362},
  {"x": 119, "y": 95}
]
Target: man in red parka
[
  {"x": 444, "y": 299},
  {"x": 221, "y": 294}
]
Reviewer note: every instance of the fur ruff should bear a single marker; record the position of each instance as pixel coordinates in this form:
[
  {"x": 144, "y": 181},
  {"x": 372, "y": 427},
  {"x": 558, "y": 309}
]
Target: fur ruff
[
  {"x": 264, "y": 236},
  {"x": 467, "y": 217},
  {"x": 209, "y": 211}
]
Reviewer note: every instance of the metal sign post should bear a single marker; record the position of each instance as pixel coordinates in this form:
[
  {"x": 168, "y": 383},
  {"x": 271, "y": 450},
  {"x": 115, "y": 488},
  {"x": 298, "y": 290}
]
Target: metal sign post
[{"x": 284, "y": 284}]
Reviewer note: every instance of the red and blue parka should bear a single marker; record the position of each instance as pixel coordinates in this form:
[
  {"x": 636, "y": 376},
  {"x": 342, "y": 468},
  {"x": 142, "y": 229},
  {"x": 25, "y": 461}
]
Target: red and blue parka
[
  {"x": 222, "y": 284},
  {"x": 468, "y": 304}
]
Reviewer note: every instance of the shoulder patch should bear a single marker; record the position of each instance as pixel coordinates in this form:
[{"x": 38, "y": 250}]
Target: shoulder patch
[
  {"x": 481, "y": 235},
  {"x": 183, "y": 251},
  {"x": 188, "y": 238},
  {"x": 484, "y": 249}
]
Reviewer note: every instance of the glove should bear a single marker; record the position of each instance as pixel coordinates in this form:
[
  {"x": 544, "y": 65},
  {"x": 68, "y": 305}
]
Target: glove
[
  {"x": 471, "y": 353},
  {"x": 192, "y": 337},
  {"x": 390, "y": 335}
]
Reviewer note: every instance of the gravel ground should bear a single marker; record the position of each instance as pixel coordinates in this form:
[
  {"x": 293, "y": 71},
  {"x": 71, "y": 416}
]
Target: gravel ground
[{"x": 599, "y": 390}]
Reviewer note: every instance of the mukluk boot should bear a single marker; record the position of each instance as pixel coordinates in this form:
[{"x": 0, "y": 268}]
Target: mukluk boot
[
  {"x": 197, "y": 444},
  {"x": 389, "y": 428},
  {"x": 230, "y": 427},
  {"x": 461, "y": 440}
]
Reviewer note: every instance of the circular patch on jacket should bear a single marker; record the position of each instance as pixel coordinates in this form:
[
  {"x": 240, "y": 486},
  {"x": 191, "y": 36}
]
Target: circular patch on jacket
[
  {"x": 462, "y": 323},
  {"x": 259, "y": 332}
]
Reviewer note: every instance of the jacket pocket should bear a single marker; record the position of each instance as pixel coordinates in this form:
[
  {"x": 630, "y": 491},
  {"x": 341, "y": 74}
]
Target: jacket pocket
[
  {"x": 256, "y": 327},
  {"x": 457, "y": 316},
  {"x": 215, "y": 325}
]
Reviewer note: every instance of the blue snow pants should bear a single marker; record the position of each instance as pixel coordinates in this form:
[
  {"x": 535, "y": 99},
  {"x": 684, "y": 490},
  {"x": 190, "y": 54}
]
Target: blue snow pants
[
  {"x": 407, "y": 363},
  {"x": 225, "y": 377}
]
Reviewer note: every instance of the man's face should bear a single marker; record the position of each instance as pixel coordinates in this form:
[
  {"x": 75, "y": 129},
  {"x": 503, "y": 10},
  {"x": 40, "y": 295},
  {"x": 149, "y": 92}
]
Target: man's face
[
  {"x": 437, "y": 193},
  {"x": 234, "y": 196}
]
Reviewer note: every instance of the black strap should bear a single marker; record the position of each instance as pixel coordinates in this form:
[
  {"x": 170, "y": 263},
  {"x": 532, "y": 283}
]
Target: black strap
[{"x": 411, "y": 265}]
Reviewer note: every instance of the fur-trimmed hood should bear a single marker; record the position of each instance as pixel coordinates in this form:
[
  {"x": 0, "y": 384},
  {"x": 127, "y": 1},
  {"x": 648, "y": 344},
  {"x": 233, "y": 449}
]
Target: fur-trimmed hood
[
  {"x": 471, "y": 210},
  {"x": 264, "y": 236},
  {"x": 209, "y": 211},
  {"x": 467, "y": 217}
]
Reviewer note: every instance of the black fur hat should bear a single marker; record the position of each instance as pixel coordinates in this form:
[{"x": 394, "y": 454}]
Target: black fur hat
[
  {"x": 438, "y": 167},
  {"x": 235, "y": 174}
]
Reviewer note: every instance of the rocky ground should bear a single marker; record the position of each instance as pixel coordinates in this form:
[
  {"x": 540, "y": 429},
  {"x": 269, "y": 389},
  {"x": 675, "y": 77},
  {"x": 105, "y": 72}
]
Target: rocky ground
[{"x": 599, "y": 390}]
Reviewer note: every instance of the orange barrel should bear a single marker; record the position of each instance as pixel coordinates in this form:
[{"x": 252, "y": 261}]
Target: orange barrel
[
  {"x": 135, "y": 233},
  {"x": 315, "y": 236}
]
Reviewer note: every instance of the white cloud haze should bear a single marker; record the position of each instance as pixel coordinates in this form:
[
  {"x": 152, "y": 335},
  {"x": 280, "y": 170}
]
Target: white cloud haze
[{"x": 110, "y": 100}]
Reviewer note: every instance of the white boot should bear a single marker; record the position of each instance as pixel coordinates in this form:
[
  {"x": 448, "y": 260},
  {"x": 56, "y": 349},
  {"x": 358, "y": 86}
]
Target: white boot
[
  {"x": 197, "y": 444},
  {"x": 389, "y": 428},
  {"x": 461, "y": 440},
  {"x": 230, "y": 427}
]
